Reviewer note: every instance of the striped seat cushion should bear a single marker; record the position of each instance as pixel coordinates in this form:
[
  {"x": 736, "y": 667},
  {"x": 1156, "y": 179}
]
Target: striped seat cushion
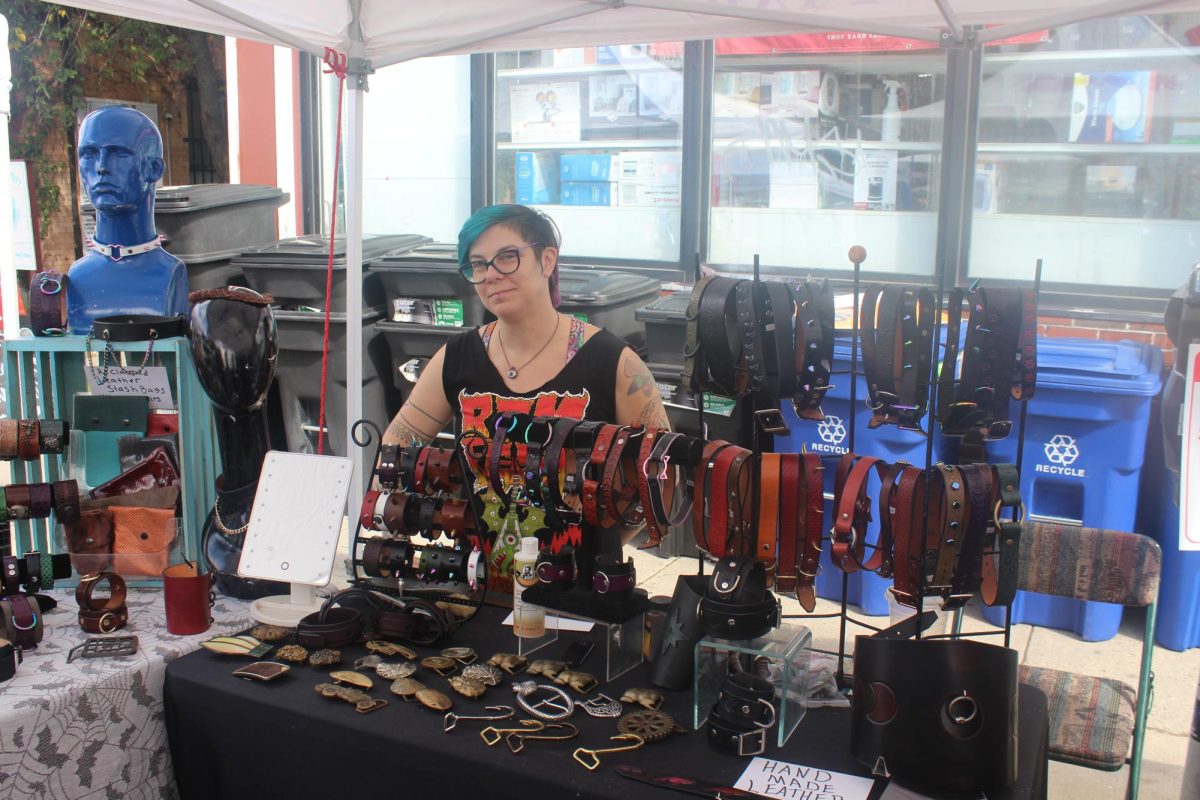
[{"x": 1091, "y": 719}]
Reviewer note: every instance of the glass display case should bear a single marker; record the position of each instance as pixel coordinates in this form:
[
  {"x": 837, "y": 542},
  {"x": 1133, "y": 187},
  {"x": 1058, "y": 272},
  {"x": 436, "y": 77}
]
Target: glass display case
[{"x": 592, "y": 136}]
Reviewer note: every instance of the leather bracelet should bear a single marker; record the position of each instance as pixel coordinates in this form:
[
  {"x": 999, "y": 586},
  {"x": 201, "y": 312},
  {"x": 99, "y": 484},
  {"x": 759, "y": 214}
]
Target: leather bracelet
[
  {"x": 452, "y": 517},
  {"x": 18, "y": 500},
  {"x": 66, "y": 501},
  {"x": 367, "y": 515},
  {"x": 33, "y": 572},
  {"x": 53, "y": 436},
  {"x": 48, "y": 303},
  {"x": 10, "y": 575},
  {"x": 556, "y": 570},
  {"x": 41, "y": 500},
  {"x": 388, "y": 469},
  {"x": 335, "y": 627},
  {"x": 29, "y": 444},
  {"x": 612, "y": 575},
  {"x": 394, "y": 512},
  {"x": 736, "y": 603},
  {"x": 742, "y": 714},
  {"x": 24, "y": 621},
  {"x": 553, "y": 469},
  {"x": 384, "y": 557},
  {"x": 8, "y": 439},
  {"x": 419, "y": 471},
  {"x": 428, "y": 509},
  {"x": 440, "y": 474},
  {"x": 102, "y": 617},
  {"x": 407, "y": 468}
]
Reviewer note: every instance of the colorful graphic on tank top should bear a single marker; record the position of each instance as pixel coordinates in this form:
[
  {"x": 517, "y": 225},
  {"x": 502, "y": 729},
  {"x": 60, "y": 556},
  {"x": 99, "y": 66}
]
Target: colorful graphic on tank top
[{"x": 505, "y": 527}]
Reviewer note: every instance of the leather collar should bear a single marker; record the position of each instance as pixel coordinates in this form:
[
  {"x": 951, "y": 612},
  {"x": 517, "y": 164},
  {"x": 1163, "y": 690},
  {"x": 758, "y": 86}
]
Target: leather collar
[
  {"x": 138, "y": 327},
  {"x": 118, "y": 251}
]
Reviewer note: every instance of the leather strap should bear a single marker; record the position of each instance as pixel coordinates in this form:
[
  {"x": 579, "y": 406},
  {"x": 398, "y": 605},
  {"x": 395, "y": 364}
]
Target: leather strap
[
  {"x": 852, "y": 510},
  {"x": 26, "y": 621},
  {"x": 337, "y": 626},
  {"x": 657, "y": 471},
  {"x": 813, "y": 510},
  {"x": 813, "y": 348},
  {"x": 702, "y": 492},
  {"x": 721, "y": 339},
  {"x": 8, "y": 439},
  {"x": 556, "y": 570},
  {"x": 505, "y": 423},
  {"x": 736, "y": 603},
  {"x": 909, "y": 539},
  {"x": 695, "y": 367},
  {"x": 419, "y": 622},
  {"x": 554, "y": 468},
  {"x": 613, "y": 575},
  {"x": 968, "y": 570},
  {"x": 594, "y": 474},
  {"x": 138, "y": 327},
  {"x": 621, "y": 504},
  {"x": 10, "y": 574},
  {"x": 66, "y": 501},
  {"x": 768, "y": 512},
  {"x": 48, "y": 304},
  {"x": 777, "y": 308},
  {"x": 388, "y": 469},
  {"x": 1000, "y": 569},
  {"x": 791, "y": 521},
  {"x": 28, "y": 442},
  {"x": 106, "y": 621},
  {"x": 655, "y": 523},
  {"x": 950, "y": 525},
  {"x": 87, "y": 587},
  {"x": 750, "y": 298},
  {"x": 728, "y": 487}
]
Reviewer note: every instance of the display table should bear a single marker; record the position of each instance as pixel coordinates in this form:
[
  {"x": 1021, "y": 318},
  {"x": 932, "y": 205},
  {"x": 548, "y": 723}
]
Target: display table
[
  {"x": 94, "y": 727},
  {"x": 232, "y": 738}
]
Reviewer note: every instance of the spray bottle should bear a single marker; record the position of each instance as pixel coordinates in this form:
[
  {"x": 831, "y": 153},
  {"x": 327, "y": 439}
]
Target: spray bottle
[
  {"x": 529, "y": 622},
  {"x": 890, "y": 125}
]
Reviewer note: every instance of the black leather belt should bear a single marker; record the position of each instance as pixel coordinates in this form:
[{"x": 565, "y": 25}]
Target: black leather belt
[
  {"x": 743, "y": 714},
  {"x": 721, "y": 340},
  {"x": 1000, "y": 570},
  {"x": 813, "y": 348},
  {"x": 897, "y": 325},
  {"x": 138, "y": 327}
]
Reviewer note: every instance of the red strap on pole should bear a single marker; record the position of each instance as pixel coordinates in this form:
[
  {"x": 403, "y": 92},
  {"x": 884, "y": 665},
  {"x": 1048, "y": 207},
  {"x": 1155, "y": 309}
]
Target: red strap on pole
[{"x": 335, "y": 63}]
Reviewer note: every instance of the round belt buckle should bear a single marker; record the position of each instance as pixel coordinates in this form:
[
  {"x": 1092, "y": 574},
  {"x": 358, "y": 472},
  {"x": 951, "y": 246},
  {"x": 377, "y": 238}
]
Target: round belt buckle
[
  {"x": 607, "y": 584},
  {"x": 111, "y": 619}
]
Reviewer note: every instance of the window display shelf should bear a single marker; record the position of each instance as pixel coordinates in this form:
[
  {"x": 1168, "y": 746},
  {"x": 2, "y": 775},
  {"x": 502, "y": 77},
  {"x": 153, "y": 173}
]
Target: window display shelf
[
  {"x": 593, "y": 144},
  {"x": 1106, "y": 149},
  {"x": 584, "y": 69},
  {"x": 1105, "y": 56}
]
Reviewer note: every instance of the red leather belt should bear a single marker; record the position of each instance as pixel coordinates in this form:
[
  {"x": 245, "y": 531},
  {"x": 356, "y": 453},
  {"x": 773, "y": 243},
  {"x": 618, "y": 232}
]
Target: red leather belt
[
  {"x": 108, "y": 614},
  {"x": 620, "y": 503},
  {"x": 851, "y": 510},
  {"x": 594, "y": 474},
  {"x": 728, "y": 485},
  {"x": 813, "y": 510}
]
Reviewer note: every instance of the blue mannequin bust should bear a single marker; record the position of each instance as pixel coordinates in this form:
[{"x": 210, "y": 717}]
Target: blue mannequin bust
[{"x": 120, "y": 160}]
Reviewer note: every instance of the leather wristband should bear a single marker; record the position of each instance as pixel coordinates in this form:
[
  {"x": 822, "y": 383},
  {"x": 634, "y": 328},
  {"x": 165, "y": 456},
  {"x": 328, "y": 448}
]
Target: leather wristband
[
  {"x": 743, "y": 713},
  {"x": 102, "y": 616},
  {"x": 139, "y": 327},
  {"x": 23, "y": 619},
  {"x": 407, "y": 467},
  {"x": 8, "y": 439},
  {"x": 367, "y": 514},
  {"x": 66, "y": 501},
  {"x": 105, "y": 621},
  {"x": 29, "y": 444},
  {"x": 440, "y": 474},
  {"x": 41, "y": 500},
  {"x": 19, "y": 501},
  {"x": 736, "y": 603},
  {"x": 388, "y": 469},
  {"x": 452, "y": 517},
  {"x": 612, "y": 575},
  {"x": 557, "y": 570},
  {"x": 419, "y": 622},
  {"x": 10, "y": 575},
  {"x": 53, "y": 435},
  {"x": 394, "y": 513},
  {"x": 9, "y": 656},
  {"x": 48, "y": 303},
  {"x": 336, "y": 627},
  {"x": 419, "y": 485}
]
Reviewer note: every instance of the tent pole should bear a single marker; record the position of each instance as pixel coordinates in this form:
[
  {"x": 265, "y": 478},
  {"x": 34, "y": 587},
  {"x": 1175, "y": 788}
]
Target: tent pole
[
  {"x": 8, "y": 267},
  {"x": 353, "y": 170}
]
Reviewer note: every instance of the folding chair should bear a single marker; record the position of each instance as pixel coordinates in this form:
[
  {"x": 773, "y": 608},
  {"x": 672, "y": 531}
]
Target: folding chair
[{"x": 1094, "y": 720}]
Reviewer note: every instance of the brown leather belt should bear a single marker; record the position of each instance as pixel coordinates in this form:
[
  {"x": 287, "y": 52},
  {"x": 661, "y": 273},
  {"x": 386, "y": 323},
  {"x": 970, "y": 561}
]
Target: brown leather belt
[
  {"x": 702, "y": 505},
  {"x": 814, "y": 529},
  {"x": 728, "y": 485},
  {"x": 102, "y": 617},
  {"x": 594, "y": 472},
  {"x": 897, "y": 325},
  {"x": 768, "y": 513},
  {"x": 801, "y": 525},
  {"x": 620, "y": 504},
  {"x": 851, "y": 510},
  {"x": 1000, "y": 568}
]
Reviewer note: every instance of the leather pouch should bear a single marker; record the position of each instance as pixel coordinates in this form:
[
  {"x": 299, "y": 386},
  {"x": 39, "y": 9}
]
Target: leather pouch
[
  {"x": 142, "y": 538},
  {"x": 134, "y": 449},
  {"x": 936, "y": 713},
  {"x": 162, "y": 424},
  {"x": 90, "y": 541},
  {"x": 675, "y": 650},
  {"x": 104, "y": 419},
  {"x": 154, "y": 472},
  {"x": 165, "y": 497}
]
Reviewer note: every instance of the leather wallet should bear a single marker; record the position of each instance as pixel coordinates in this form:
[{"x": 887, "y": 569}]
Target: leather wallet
[
  {"x": 103, "y": 420},
  {"x": 90, "y": 541},
  {"x": 134, "y": 449},
  {"x": 154, "y": 472}
]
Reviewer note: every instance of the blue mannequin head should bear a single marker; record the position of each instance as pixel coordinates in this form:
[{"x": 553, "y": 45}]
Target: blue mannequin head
[{"x": 120, "y": 160}]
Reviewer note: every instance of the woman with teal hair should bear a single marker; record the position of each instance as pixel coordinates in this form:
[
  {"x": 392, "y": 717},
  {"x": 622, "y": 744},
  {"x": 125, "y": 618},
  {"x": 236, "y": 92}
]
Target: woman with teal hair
[{"x": 533, "y": 359}]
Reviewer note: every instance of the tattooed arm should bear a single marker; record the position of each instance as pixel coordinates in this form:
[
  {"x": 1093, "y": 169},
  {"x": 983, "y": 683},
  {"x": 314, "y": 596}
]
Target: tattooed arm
[
  {"x": 638, "y": 403},
  {"x": 426, "y": 411}
]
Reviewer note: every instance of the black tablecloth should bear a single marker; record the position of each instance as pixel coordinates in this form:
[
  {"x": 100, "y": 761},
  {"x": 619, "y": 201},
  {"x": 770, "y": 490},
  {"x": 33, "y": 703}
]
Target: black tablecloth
[{"x": 233, "y": 738}]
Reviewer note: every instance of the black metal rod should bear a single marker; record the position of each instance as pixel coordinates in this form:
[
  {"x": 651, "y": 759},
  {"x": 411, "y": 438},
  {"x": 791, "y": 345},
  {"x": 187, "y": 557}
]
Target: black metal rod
[
  {"x": 841, "y": 667},
  {"x": 700, "y": 432},
  {"x": 755, "y": 441},
  {"x": 933, "y": 404}
]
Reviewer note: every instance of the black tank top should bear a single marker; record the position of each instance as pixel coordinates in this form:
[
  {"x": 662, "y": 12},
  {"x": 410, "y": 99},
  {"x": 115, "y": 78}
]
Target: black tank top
[{"x": 585, "y": 388}]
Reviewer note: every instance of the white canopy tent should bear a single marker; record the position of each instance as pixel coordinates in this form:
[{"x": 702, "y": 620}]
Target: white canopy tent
[{"x": 377, "y": 33}]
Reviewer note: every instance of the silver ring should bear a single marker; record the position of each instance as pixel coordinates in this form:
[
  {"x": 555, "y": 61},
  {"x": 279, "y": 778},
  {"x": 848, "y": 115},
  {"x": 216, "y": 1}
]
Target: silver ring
[{"x": 962, "y": 718}]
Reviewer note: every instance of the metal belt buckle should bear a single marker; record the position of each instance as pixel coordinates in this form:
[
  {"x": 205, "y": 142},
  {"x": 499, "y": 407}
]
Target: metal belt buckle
[
  {"x": 757, "y": 737},
  {"x": 772, "y": 421},
  {"x": 46, "y": 281},
  {"x": 955, "y": 601},
  {"x": 998, "y": 430}
]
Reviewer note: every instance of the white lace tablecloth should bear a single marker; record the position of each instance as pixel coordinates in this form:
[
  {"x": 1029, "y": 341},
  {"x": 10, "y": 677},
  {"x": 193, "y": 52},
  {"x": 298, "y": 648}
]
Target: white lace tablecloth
[{"x": 94, "y": 728}]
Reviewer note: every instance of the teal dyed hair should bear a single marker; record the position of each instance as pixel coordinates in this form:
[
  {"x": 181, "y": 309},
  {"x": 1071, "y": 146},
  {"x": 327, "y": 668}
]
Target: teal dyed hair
[{"x": 531, "y": 224}]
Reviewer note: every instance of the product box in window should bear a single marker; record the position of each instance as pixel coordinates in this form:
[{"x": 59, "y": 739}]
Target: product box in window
[
  {"x": 1112, "y": 106},
  {"x": 588, "y": 193},
  {"x": 536, "y": 178}
]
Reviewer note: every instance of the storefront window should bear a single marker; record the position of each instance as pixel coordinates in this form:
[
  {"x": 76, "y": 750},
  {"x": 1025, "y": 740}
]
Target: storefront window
[
  {"x": 1089, "y": 156},
  {"x": 822, "y": 141},
  {"x": 591, "y": 135}
]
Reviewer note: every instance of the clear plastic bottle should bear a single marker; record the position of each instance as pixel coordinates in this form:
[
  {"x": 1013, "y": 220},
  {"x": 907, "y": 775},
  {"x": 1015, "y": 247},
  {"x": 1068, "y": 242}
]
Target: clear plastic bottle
[{"x": 529, "y": 621}]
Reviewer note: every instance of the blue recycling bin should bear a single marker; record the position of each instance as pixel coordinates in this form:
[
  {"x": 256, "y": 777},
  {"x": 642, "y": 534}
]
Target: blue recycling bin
[
  {"x": 830, "y": 438},
  {"x": 1085, "y": 441},
  {"x": 1178, "y": 622}
]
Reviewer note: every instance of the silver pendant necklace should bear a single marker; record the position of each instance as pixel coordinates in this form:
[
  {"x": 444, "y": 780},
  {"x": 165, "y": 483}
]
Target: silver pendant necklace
[{"x": 513, "y": 372}]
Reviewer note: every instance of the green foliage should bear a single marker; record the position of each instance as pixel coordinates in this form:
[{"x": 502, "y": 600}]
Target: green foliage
[{"x": 55, "y": 50}]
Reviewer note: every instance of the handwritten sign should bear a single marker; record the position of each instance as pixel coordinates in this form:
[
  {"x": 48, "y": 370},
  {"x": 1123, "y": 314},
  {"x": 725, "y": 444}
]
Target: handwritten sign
[
  {"x": 152, "y": 382},
  {"x": 795, "y": 782}
]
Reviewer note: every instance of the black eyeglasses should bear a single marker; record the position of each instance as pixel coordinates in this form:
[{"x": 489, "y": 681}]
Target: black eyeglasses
[{"x": 506, "y": 262}]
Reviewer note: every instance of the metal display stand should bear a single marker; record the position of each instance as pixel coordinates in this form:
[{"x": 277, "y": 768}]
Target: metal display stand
[{"x": 43, "y": 374}]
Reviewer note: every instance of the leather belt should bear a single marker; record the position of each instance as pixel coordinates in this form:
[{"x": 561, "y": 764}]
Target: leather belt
[
  {"x": 813, "y": 348},
  {"x": 48, "y": 304},
  {"x": 106, "y": 617},
  {"x": 721, "y": 340},
  {"x": 851, "y": 510},
  {"x": 768, "y": 513},
  {"x": 949, "y": 524},
  {"x": 613, "y": 575},
  {"x": 554, "y": 471},
  {"x": 418, "y": 622},
  {"x": 138, "y": 327},
  {"x": 897, "y": 325},
  {"x": 750, "y": 297},
  {"x": 594, "y": 474},
  {"x": 968, "y": 570},
  {"x": 656, "y": 475},
  {"x": 331, "y": 627},
  {"x": 1000, "y": 570},
  {"x": 695, "y": 366},
  {"x": 813, "y": 511},
  {"x": 743, "y": 714},
  {"x": 727, "y": 485},
  {"x": 620, "y": 504}
]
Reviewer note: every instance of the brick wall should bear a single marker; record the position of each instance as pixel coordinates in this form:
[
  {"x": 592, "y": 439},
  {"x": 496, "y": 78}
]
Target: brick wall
[{"x": 1109, "y": 331}]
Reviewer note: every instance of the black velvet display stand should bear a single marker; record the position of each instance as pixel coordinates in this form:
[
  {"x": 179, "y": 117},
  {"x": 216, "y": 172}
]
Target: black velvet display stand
[{"x": 233, "y": 739}]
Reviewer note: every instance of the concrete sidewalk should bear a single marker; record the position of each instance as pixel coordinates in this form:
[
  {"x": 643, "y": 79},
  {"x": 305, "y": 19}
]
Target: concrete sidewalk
[{"x": 1175, "y": 674}]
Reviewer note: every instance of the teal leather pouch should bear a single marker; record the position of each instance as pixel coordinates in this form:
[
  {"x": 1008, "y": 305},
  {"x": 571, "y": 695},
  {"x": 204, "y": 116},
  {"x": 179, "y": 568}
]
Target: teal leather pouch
[{"x": 103, "y": 420}]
